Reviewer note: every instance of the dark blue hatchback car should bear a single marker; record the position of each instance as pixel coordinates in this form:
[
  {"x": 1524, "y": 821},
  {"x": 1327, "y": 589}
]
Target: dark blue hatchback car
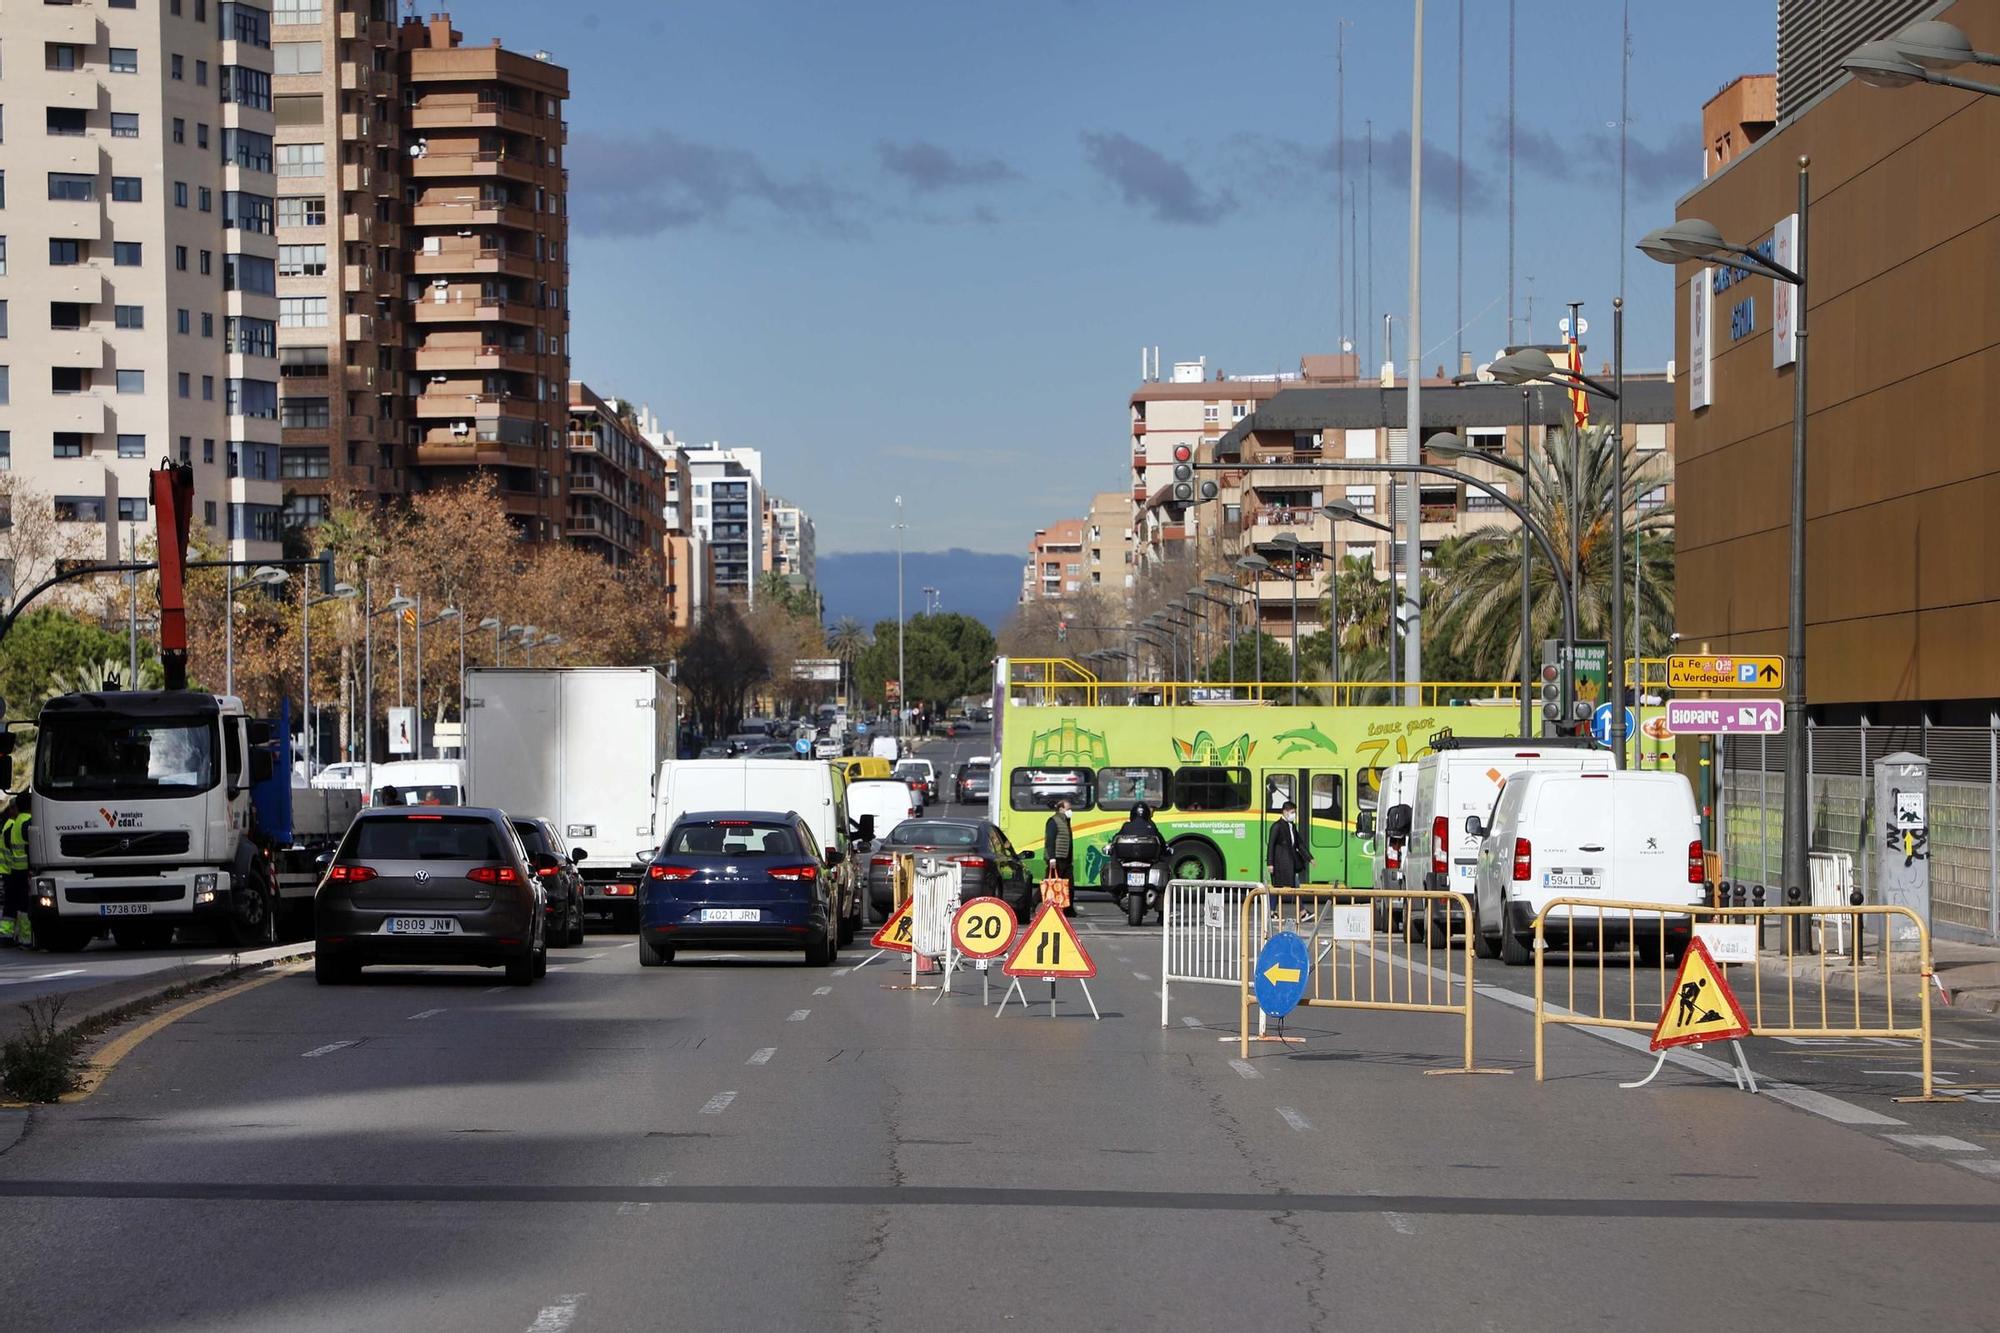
[{"x": 738, "y": 879}]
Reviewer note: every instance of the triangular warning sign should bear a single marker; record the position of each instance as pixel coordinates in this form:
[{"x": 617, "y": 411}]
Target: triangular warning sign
[
  {"x": 1701, "y": 1006},
  {"x": 1050, "y": 949},
  {"x": 896, "y": 932}
]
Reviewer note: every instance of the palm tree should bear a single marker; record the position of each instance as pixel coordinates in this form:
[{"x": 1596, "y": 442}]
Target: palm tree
[
  {"x": 1478, "y": 589},
  {"x": 847, "y": 640}
]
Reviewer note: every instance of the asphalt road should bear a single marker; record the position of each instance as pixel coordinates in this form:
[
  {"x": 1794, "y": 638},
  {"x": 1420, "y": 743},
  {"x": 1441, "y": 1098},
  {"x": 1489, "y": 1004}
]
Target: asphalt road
[{"x": 742, "y": 1142}]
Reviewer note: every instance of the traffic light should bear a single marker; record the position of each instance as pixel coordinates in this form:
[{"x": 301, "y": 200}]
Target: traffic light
[
  {"x": 1183, "y": 473},
  {"x": 326, "y": 573},
  {"x": 1552, "y": 708},
  {"x": 1062, "y": 630}
]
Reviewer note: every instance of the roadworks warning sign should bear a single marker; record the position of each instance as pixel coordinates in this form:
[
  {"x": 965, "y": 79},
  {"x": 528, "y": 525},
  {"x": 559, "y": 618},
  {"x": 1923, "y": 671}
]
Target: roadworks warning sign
[
  {"x": 896, "y": 932},
  {"x": 1700, "y": 1007}
]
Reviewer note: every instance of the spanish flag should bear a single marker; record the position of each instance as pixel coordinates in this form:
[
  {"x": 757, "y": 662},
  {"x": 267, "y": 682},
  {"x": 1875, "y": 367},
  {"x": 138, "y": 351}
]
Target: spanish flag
[{"x": 1579, "y": 401}]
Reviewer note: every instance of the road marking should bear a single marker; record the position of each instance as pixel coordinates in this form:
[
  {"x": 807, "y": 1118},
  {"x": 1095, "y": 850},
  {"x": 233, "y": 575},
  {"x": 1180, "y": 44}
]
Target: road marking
[
  {"x": 1142, "y": 976},
  {"x": 47, "y": 976},
  {"x": 798, "y": 1015},
  {"x": 763, "y": 1056},
  {"x": 558, "y": 1317},
  {"x": 1293, "y": 1118},
  {"x": 1937, "y": 1142},
  {"x": 426, "y": 1013},
  {"x": 630, "y": 1209},
  {"x": 629, "y": 944},
  {"x": 842, "y": 971},
  {"x": 119, "y": 1047},
  {"x": 1243, "y": 1067},
  {"x": 1191, "y": 1022},
  {"x": 1985, "y": 1166},
  {"x": 824, "y": 990},
  {"x": 327, "y": 1049},
  {"x": 495, "y": 990},
  {"x": 717, "y": 1104},
  {"x": 1401, "y": 1223}
]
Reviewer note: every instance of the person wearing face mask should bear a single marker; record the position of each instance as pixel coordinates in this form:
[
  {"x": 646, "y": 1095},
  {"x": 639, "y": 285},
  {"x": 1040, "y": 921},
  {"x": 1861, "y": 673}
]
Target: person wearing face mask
[{"x": 1289, "y": 861}]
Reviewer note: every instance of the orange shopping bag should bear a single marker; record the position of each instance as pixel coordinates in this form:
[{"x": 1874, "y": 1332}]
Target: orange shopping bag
[{"x": 1056, "y": 891}]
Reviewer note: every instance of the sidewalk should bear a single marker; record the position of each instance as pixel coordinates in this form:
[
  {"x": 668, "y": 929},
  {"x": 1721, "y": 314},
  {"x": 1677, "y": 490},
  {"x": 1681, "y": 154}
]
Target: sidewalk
[{"x": 1970, "y": 973}]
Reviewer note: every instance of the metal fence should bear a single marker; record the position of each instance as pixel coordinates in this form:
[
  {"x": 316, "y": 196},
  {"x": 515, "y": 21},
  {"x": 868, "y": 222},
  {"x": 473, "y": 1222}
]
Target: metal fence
[{"x": 1964, "y": 812}]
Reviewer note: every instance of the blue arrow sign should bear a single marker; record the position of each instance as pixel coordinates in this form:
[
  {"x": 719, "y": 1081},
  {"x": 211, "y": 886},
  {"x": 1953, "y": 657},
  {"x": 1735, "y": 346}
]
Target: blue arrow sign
[
  {"x": 1280, "y": 975},
  {"x": 1600, "y": 724}
]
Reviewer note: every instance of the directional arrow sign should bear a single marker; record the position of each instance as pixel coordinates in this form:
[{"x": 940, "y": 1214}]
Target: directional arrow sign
[
  {"x": 1275, "y": 974},
  {"x": 1280, "y": 978},
  {"x": 1703, "y": 671},
  {"x": 1723, "y": 717}
]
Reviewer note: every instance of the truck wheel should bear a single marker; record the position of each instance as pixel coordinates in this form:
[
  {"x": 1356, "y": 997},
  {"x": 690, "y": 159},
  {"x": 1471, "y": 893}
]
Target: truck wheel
[{"x": 59, "y": 936}]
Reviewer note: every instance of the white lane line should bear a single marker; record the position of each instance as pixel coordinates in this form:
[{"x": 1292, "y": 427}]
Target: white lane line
[
  {"x": 424, "y": 1013},
  {"x": 1191, "y": 1022},
  {"x": 1293, "y": 1118},
  {"x": 1142, "y": 976},
  {"x": 327, "y": 1049},
  {"x": 66, "y": 972},
  {"x": 558, "y": 1317},
  {"x": 717, "y": 1104},
  {"x": 495, "y": 990},
  {"x": 631, "y": 1209},
  {"x": 842, "y": 971},
  {"x": 1243, "y": 1067},
  {"x": 629, "y": 944},
  {"x": 1936, "y": 1142},
  {"x": 1985, "y": 1166},
  {"x": 762, "y": 1056},
  {"x": 1401, "y": 1223},
  {"x": 798, "y": 1015},
  {"x": 824, "y": 990}
]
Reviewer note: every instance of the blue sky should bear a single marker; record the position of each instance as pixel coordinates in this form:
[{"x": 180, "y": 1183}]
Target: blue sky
[{"x": 916, "y": 247}]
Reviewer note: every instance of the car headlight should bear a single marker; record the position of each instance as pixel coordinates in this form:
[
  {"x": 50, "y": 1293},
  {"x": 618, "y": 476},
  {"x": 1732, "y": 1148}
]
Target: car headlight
[
  {"x": 45, "y": 887},
  {"x": 204, "y": 883}
]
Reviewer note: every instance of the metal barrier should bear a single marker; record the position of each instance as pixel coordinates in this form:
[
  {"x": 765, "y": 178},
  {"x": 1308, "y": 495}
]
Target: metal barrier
[
  {"x": 1811, "y": 953},
  {"x": 1349, "y": 968},
  {"x": 1199, "y": 943}
]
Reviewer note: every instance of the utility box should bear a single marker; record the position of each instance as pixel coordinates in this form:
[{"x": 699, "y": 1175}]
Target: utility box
[{"x": 1902, "y": 848}]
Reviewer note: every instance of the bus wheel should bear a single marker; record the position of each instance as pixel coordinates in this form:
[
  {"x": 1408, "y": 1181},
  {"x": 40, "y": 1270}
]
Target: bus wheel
[{"x": 1192, "y": 859}]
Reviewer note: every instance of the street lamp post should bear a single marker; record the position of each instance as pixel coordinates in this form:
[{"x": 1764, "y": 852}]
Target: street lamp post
[
  {"x": 396, "y": 606},
  {"x": 1295, "y": 549},
  {"x": 449, "y": 613},
  {"x": 1255, "y": 565},
  {"x": 1338, "y": 513},
  {"x": 1454, "y": 446},
  {"x": 1694, "y": 239},
  {"x": 342, "y": 592},
  {"x": 1229, "y": 611},
  {"x": 902, "y": 704}
]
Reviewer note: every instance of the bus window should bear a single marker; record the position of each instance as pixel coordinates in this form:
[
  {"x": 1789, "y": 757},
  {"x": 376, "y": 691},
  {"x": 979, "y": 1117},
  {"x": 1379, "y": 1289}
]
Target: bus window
[
  {"x": 1212, "y": 789},
  {"x": 1123, "y": 788},
  {"x": 1368, "y": 789},
  {"x": 1326, "y": 796},
  {"x": 1039, "y": 788},
  {"x": 1278, "y": 790}
]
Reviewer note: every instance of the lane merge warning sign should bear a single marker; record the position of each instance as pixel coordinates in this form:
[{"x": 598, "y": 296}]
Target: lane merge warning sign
[{"x": 1051, "y": 948}]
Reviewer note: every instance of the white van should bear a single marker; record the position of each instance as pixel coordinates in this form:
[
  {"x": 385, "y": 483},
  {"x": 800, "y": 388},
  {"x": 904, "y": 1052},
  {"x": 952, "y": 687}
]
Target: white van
[
  {"x": 813, "y": 790},
  {"x": 888, "y": 799},
  {"x": 1628, "y": 836},
  {"x": 418, "y": 782},
  {"x": 1399, "y": 782},
  {"x": 1461, "y": 777}
]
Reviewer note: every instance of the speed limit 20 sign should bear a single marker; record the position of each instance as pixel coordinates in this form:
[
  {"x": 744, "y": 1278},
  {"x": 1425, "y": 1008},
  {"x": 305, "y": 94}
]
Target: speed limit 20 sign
[{"x": 983, "y": 928}]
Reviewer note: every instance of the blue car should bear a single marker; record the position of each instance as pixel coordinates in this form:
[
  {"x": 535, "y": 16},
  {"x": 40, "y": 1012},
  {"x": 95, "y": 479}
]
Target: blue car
[{"x": 738, "y": 879}]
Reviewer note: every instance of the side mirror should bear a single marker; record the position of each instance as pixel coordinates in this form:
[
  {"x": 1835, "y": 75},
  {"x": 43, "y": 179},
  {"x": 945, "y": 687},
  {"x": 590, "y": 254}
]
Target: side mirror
[
  {"x": 1397, "y": 823},
  {"x": 576, "y": 855},
  {"x": 1364, "y": 823},
  {"x": 262, "y": 764},
  {"x": 865, "y": 828},
  {"x": 1475, "y": 827},
  {"x": 1027, "y": 856},
  {"x": 323, "y": 860},
  {"x": 834, "y": 856}
]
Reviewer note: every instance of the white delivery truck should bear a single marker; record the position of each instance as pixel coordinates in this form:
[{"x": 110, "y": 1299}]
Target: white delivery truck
[
  {"x": 1458, "y": 780},
  {"x": 582, "y": 748}
]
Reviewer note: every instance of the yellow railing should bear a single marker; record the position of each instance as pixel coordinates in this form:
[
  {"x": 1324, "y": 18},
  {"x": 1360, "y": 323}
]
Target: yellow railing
[{"x": 1060, "y": 680}]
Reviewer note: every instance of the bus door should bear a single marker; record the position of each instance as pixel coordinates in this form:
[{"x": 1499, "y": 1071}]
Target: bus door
[
  {"x": 1280, "y": 785},
  {"x": 1323, "y": 814}
]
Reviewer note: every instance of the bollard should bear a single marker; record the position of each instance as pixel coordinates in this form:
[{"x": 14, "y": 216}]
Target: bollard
[
  {"x": 1859, "y": 951},
  {"x": 1757, "y": 900},
  {"x": 1719, "y": 893},
  {"x": 1793, "y": 897}
]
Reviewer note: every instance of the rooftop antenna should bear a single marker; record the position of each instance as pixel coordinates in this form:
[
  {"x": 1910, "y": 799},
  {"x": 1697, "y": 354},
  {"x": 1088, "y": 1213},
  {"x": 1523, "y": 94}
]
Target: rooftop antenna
[
  {"x": 1459, "y": 197},
  {"x": 1510, "y": 174},
  {"x": 1345, "y": 236}
]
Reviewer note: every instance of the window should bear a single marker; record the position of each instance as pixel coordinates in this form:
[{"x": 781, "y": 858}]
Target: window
[
  {"x": 6, "y": 451},
  {"x": 68, "y": 444},
  {"x": 1358, "y": 444},
  {"x": 206, "y": 261},
  {"x": 201, "y": 73},
  {"x": 62, "y": 56},
  {"x": 79, "y": 508},
  {"x": 175, "y": 68},
  {"x": 1039, "y": 788},
  {"x": 1650, "y": 438},
  {"x": 180, "y": 194},
  {"x": 246, "y": 24},
  {"x": 295, "y": 11},
  {"x": 3, "y": 319},
  {"x": 301, "y": 109},
  {"x": 132, "y": 510},
  {"x": 294, "y": 362},
  {"x": 207, "y": 324},
  {"x": 246, "y": 212},
  {"x": 127, "y": 190},
  {"x": 1653, "y": 499},
  {"x": 1328, "y": 798},
  {"x": 306, "y": 413},
  {"x": 246, "y": 87},
  {"x": 296, "y": 58},
  {"x": 180, "y": 321},
  {"x": 1211, "y": 414},
  {"x": 5, "y": 387},
  {"x": 187, "y": 449},
  {"x": 257, "y": 523},
  {"x": 301, "y": 261},
  {"x": 185, "y": 384},
  {"x": 127, "y": 254},
  {"x": 246, "y": 148},
  {"x": 250, "y": 337},
  {"x": 124, "y": 124},
  {"x": 208, "y": 388},
  {"x": 305, "y": 511},
  {"x": 1123, "y": 788},
  {"x": 304, "y": 464},
  {"x": 134, "y": 4},
  {"x": 65, "y": 120},
  {"x": 65, "y": 252},
  {"x": 302, "y": 211},
  {"x": 200, "y": 135},
  {"x": 301, "y": 159},
  {"x": 131, "y": 446},
  {"x": 1212, "y": 789},
  {"x": 180, "y": 130},
  {"x": 208, "y": 512},
  {"x": 1361, "y": 499},
  {"x": 251, "y": 398},
  {"x": 263, "y": 461},
  {"x": 3, "y": 256},
  {"x": 250, "y": 273},
  {"x": 124, "y": 60},
  {"x": 72, "y": 187},
  {"x": 204, "y": 200},
  {"x": 131, "y": 381}
]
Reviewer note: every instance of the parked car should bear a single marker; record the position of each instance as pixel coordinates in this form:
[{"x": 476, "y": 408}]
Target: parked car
[
  {"x": 887, "y": 802},
  {"x": 738, "y": 879},
  {"x": 974, "y": 781},
  {"x": 826, "y": 747},
  {"x": 988, "y": 864},
  {"x": 1624, "y": 835},
  {"x": 771, "y": 750},
  {"x": 562, "y": 885},
  {"x": 419, "y": 782},
  {"x": 719, "y": 750},
  {"x": 920, "y": 770},
  {"x": 343, "y": 776},
  {"x": 428, "y": 887}
]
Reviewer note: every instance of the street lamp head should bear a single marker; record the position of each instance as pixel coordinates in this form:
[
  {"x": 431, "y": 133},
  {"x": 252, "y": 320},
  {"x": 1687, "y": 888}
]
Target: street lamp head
[
  {"x": 550, "y": 641},
  {"x": 400, "y": 603},
  {"x": 1340, "y": 512},
  {"x": 1217, "y": 581},
  {"x": 1448, "y": 443},
  {"x": 1253, "y": 562},
  {"x": 1522, "y": 367},
  {"x": 268, "y": 575},
  {"x": 1885, "y": 65},
  {"x": 1933, "y": 44},
  {"x": 449, "y": 613},
  {"x": 1690, "y": 238},
  {"x": 1288, "y": 540},
  {"x": 489, "y": 623},
  {"x": 345, "y": 592}
]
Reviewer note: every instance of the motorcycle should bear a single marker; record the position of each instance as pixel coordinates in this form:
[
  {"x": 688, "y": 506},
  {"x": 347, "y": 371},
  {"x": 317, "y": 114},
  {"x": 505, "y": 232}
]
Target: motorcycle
[{"x": 1135, "y": 874}]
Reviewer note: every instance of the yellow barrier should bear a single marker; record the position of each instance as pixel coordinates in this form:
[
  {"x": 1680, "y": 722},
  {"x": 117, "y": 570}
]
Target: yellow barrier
[
  {"x": 1349, "y": 968},
  {"x": 1818, "y": 946}
]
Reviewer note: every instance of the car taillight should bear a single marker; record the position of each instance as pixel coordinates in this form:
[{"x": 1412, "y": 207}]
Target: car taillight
[
  {"x": 883, "y": 860},
  {"x": 794, "y": 873},
  {"x": 971, "y": 862},
  {"x": 493, "y": 875},
  {"x": 547, "y": 872},
  {"x": 350, "y": 874},
  {"x": 665, "y": 872},
  {"x": 1392, "y": 857},
  {"x": 620, "y": 890},
  {"x": 1697, "y": 863},
  {"x": 1440, "y": 845},
  {"x": 1524, "y": 860}
]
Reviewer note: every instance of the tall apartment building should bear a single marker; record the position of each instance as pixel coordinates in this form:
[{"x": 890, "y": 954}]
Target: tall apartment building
[
  {"x": 489, "y": 239},
  {"x": 341, "y": 265},
  {"x": 728, "y": 513},
  {"x": 690, "y": 576},
  {"x": 137, "y": 289},
  {"x": 791, "y": 544},
  {"x": 615, "y": 483},
  {"x": 1055, "y": 562},
  {"x": 1109, "y": 559}
]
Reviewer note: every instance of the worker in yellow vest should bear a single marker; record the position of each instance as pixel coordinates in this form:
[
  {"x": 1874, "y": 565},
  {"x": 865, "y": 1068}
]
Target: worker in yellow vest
[{"x": 14, "y": 927}]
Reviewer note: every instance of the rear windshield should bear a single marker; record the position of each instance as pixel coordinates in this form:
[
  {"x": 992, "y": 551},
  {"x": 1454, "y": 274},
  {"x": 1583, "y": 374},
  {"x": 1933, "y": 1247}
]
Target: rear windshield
[
  {"x": 533, "y": 838},
  {"x": 747, "y": 839},
  {"x": 929, "y": 833},
  {"x": 441, "y": 839},
  {"x": 420, "y": 794}
]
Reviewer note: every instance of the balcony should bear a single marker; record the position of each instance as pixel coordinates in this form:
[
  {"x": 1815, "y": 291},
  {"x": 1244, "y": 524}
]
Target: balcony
[
  {"x": 462, "y": 406},
  {"x": 354, "y": 176},
  {"x": 482, "y": 309},
  {"x": 355, "y": 227},
  {"x": 437, "y": 113},
  {"x": 357, "y": 27},
  {"x": 1139, "y": 427},
  {"x": 463, "y": 213},
  {"x": 81, "y": 413},
  {"x": 354, "y": 126},
  {"x": 476, "y": 259},
  {"x": 439, "y": 447},
  {"x": 75, "y": 348},
  {"x": 357, "y": 328},
  {"x": 359, "y": 78},
  {"x": 359, "y": 378},
  {"x": 475, "y": 356}
]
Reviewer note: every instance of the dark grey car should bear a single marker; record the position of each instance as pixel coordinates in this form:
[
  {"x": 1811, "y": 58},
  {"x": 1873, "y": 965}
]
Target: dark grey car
[
  {"x": 427, "y": 887},
  {"x": 988, "y": 864}
]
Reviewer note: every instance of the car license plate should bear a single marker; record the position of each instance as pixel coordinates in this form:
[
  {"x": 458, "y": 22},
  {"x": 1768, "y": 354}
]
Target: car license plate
[
  {"x": 125, "y": 909},
  {"x": 730, "y": 914},
  {"x": 421, "y": 925},
  {"x": 1572, "y": 879}
]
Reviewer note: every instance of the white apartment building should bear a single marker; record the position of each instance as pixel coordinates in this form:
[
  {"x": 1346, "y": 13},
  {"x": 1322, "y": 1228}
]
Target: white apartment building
[
  {"x": 728, "y": 489},
  {"x": 793, "y": 543},
  {"x": 138, "y": 307}
]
